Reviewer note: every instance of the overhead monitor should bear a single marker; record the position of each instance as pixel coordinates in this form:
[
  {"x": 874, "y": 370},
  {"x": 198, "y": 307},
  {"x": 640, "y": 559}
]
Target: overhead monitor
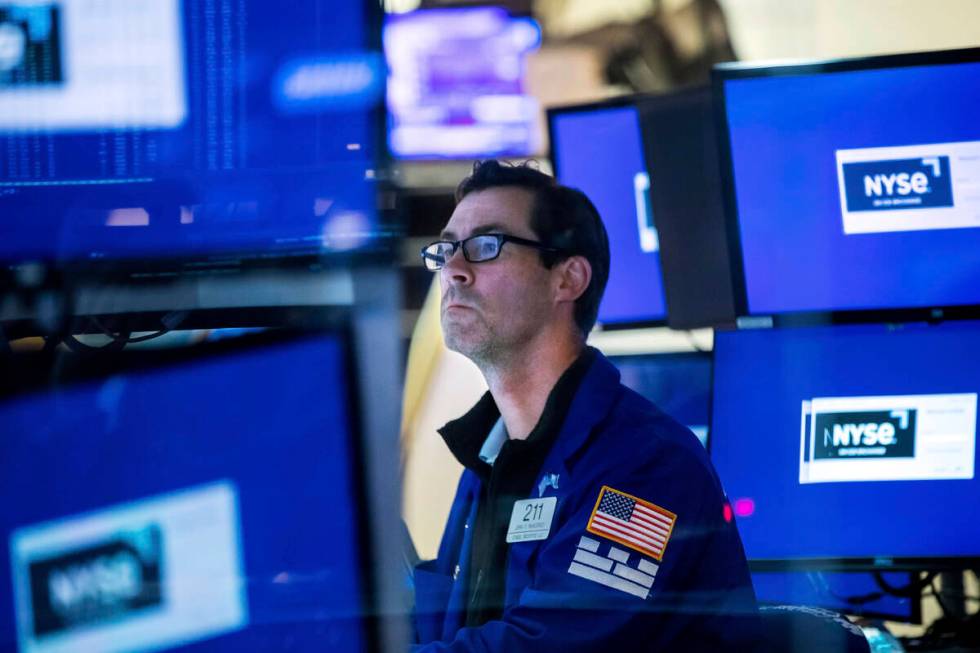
[
  {"x": 855, "y": 593},
  {"x": 688, "y": 207},
  {"x": 456, "y": 83},
  {"x": 135, "y": 129},
  {"x": 850, "y": 446},
  {"x": 187, "y": 501},
  {"x": 855, "y": 184},
  {"x": 678, "y": 384},
  {"x": 599, "y": 150}
]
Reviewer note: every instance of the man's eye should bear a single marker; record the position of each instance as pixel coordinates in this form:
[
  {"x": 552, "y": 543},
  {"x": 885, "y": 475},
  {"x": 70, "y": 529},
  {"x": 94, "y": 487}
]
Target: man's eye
[{"x": 488, "y": 247}]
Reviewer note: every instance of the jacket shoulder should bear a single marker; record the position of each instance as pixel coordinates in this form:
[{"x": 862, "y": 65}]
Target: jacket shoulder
[{"x": 637, "y": 436}]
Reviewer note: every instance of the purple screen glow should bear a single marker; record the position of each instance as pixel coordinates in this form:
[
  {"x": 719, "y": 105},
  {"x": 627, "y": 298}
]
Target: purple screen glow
[{"x": 456, "y": 84}]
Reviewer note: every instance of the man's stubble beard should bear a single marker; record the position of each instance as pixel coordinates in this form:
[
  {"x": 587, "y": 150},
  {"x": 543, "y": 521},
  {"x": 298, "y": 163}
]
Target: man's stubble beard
[{"x": 483, "y": 346}]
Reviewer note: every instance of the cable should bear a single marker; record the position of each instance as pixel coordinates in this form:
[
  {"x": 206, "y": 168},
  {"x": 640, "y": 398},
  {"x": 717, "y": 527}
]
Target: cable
[
  {"x": 117, "y": 340},
  {"x": 939, "y": 598},
  {"x": 960, "y": 597},
  {"x": 859, "y": 599},
  {"x": 79, "y": 347},
  {"x": 169, "y": 322},
  {"x": 913, "y": 589}
]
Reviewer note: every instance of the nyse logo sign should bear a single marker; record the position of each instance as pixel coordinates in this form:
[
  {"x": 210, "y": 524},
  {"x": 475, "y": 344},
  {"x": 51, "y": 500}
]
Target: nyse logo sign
[
  {"x": 98, "y": 583},
  {"x": 898, "y": 184},
  {"x": 865, "y": 434}
]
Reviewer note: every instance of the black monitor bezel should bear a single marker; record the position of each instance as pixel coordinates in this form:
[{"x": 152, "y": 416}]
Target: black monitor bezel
[
  {"x": 826, "y": 563},
  {"x": 710, "y": 215},
  {"x": 722, "y": 73},
  {"x": 28, "y": 373},
  {"x": 621, "y": 102},
  {"x": 879, "y": 563}
]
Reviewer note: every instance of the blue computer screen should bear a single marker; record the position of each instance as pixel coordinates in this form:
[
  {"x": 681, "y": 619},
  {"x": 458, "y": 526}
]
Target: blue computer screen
[
  {"x": 859, "y": 189},
  {"x": 134, "y": 128},
  {"x": 210, "y": 505},
  {"x": 849, "y": 441},
  {"x": 678, "y": 384},
  {"x": 847, "y": 592},
  {"x": 600, "y": 152}
]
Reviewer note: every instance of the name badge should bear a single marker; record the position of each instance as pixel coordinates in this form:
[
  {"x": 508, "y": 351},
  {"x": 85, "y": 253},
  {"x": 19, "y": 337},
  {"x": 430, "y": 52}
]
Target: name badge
[{"x": 531, "y": 520}]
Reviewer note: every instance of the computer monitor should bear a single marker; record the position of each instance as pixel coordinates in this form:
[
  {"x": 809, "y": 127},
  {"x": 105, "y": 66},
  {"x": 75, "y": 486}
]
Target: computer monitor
[
  {"x": 599, "y": 150},
  {"x": 688, "y": 207},
  {"x": 854, "y": 184},
  {"x": 853, "y": 593},
  {"x": 456, "y": 83},
  {"x": 210, "y": 500},
  {"x": 850, "y": 446},
  {"x": 678, "y": 384},
  {"x": 135, "y": 129}
]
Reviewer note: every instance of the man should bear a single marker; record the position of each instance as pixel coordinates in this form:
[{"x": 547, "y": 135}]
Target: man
[{"x": 586, "y": 519}]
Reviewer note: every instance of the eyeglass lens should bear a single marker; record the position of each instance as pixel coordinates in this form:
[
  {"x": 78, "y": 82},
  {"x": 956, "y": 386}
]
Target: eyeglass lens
[
  {"x": 476, "y": 249},
  {"x": 481, "y": 248}
]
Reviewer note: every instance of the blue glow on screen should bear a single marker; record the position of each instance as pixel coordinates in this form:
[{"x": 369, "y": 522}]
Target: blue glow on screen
[
  {"x": 141, "y": 435},
  {"x": 678, "y": 384},
  {"x": 246, "y": 128},
  {"x": 830, "y": 590},
  {"x": 600, "y": 152},
  {"x": 785, "y": 132},
  {"x": 762, "y": 378}
]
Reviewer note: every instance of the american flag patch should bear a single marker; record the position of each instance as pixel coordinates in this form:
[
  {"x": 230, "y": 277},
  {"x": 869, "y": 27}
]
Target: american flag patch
[{"x": 633, "y": 522}]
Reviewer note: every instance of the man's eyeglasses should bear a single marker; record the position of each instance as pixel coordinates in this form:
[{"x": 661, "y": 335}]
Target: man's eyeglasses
[{"x": 476, "y": 249}]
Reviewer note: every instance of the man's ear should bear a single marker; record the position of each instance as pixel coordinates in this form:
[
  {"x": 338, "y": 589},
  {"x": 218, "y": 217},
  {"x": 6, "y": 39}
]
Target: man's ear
[{"x": 573, "y": 277}]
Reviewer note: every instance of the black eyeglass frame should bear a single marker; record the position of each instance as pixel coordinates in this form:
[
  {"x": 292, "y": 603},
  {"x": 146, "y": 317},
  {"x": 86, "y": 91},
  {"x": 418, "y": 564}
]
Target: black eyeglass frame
[{"x": 501, "y": 239}]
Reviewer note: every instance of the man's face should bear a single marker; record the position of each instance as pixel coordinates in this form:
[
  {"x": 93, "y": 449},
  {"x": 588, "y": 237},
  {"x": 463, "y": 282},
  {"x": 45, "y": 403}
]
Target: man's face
[{"x": 491, "y": 309}]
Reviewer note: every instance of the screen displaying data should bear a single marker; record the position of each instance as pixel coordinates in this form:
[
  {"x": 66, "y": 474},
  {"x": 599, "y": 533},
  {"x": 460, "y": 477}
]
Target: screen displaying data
[
  {"x": 456, "y": 83},
  {"x": 600, "y": 152},
  {"x": 201, "y": 504},
  {"x": 135, "y": 128},
  {"x": 834, "y": 442},
  {"x": 857, "y": 189},
  {"x": 678, "y": 384}
]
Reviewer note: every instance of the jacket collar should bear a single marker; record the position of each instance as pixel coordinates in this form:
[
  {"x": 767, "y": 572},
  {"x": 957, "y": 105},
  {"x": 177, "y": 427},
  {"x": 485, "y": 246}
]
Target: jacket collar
[
  {"x": 592, "y": 403},
  {"x": 467, "y": 436}
]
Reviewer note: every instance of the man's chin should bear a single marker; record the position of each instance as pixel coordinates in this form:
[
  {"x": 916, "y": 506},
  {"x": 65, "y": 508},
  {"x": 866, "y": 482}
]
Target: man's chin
[
  {"x": 461, "y": 341},
  {"x": 457, "y": 321}
]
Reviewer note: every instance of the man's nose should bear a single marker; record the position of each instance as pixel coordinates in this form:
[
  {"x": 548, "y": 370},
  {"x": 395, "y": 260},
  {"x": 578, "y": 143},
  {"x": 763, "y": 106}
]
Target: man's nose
[{"x": 457, "y": 270}]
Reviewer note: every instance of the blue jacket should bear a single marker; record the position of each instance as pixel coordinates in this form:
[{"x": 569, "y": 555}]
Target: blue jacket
[{"x": 592, "y": 586}]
